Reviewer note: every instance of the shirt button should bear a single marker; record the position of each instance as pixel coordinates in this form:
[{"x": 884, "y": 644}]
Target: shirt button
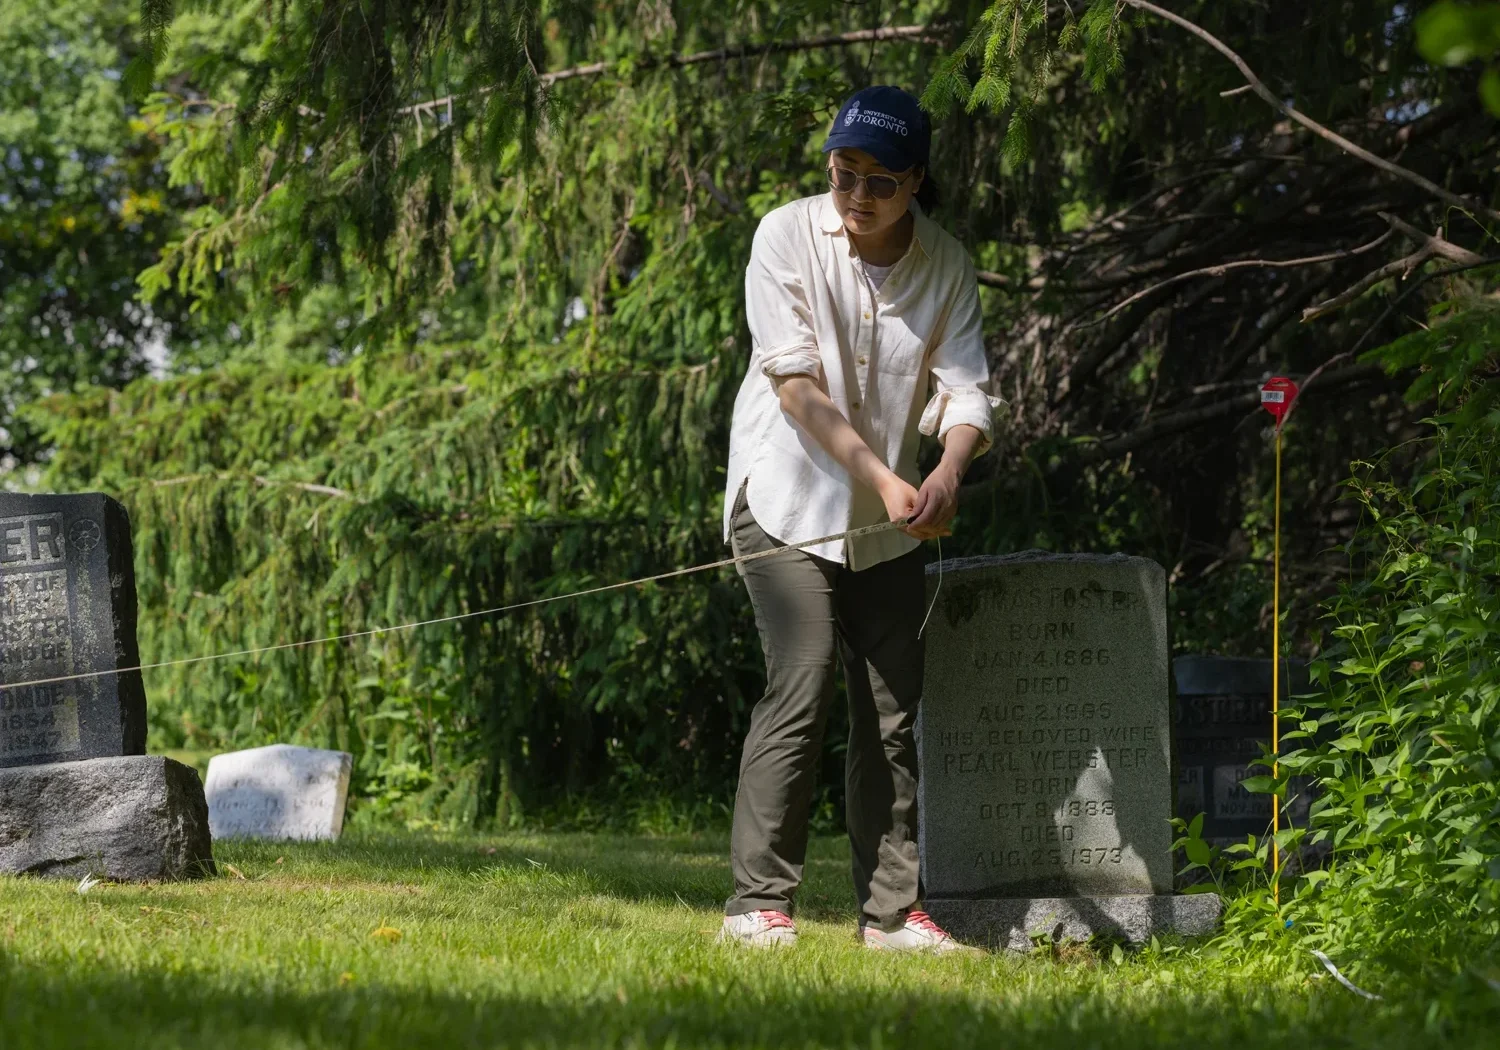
[
  {"x": 864, "y": 360},
  {"x": 854, "y": 405},
  {"x": 867, "y": 315}
]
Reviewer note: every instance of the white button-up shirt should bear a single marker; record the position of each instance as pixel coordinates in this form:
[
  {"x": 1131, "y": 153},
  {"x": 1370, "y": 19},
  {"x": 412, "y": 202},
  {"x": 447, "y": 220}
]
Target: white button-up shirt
[{"x": 901, "y": 361}]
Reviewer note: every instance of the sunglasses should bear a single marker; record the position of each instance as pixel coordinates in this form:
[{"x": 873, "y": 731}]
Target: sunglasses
[{"x": 881, "y": 187}]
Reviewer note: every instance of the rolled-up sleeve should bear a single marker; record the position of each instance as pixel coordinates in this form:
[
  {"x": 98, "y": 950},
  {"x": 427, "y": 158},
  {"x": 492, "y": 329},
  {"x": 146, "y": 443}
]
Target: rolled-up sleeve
[
  {"x": 776, "y": 306},
  {"x": 959, "y": 371}
]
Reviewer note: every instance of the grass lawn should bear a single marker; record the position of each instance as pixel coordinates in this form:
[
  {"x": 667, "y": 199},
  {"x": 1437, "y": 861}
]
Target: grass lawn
[{"x": 594, "y": 940}]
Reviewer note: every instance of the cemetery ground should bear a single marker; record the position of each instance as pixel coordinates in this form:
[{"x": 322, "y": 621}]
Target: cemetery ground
[{"x": 554, "y": 939}]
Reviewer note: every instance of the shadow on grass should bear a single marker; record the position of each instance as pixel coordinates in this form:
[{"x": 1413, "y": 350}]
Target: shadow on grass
[
  {"x": 110, "y": 1008},
  {"x": 691, "y": 870}
]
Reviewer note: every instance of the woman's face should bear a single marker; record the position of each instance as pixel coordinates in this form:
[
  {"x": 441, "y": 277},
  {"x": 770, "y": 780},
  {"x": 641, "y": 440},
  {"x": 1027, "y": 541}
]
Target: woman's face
[{"x": 862, "y": 212}]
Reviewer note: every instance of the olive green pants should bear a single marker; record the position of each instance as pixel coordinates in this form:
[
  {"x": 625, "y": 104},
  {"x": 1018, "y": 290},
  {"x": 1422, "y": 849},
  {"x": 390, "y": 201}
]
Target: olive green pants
[{"x": 808, "y": 608}]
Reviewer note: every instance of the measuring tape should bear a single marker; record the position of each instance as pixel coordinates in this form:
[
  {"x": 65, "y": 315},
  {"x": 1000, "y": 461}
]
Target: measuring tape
[{"x": 867, "y": 530}]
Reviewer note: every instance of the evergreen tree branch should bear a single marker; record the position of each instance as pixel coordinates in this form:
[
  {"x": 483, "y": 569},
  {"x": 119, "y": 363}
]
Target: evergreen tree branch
[{"x": 1316, "y": 128}]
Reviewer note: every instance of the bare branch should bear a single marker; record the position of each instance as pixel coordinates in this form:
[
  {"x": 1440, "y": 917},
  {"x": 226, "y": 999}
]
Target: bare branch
[
  {"x": 1431, "y": 247},
  {"x": 306, "y": 486},
  {"x": 990, "y": 279},
  {"x": 1440, "y": 246},
  {"x": 1177, "y": 422},
  {"x": 728, "y": 203},
  {"x": 1220, "y": 269},
  {"x": 1266, "y": 93},
  {"x": 594, "y": 69},
  {"x": 1375, "y": 327},
  {"x": 1401, "y": 267}
]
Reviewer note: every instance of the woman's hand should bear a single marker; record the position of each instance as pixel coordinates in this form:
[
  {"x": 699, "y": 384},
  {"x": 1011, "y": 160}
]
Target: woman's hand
[
  {"x": 899, "y": 497},
  {"x": 936, "y": 504}
]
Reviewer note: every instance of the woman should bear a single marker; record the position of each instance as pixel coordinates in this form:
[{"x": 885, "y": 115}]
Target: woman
[{"x": 858, "y": 304}]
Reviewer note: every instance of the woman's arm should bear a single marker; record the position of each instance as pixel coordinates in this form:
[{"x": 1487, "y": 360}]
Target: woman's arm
[
  {"x": 960, "y": 414},
  {"x": 803, "y": 400},
  {"x": 781, "y": 323}
]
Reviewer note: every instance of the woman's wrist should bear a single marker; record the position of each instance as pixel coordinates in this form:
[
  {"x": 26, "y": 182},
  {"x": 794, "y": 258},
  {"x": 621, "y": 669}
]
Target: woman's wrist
[
  {"x": 885, "y": 479},
  {"x": 951, "y": 465},
  {"x": 958, "y": 450}
]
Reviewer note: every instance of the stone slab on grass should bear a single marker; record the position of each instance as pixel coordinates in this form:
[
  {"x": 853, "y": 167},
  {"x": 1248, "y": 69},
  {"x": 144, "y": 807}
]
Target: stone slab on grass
[
  {"x": 278, "y": 792},
  {"x": 131, "y": 819},
  {"x": 1012, "y": 922}
]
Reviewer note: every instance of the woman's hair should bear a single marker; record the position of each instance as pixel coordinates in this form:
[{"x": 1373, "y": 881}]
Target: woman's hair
[{"x": 928, "y": 196}]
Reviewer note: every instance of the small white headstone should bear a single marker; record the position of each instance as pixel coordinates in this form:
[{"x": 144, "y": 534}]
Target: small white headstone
[{"x": 277, "y": 792}]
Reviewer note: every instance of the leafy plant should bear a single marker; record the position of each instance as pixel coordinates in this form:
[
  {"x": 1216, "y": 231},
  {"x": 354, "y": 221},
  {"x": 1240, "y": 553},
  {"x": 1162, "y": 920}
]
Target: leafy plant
[
  {"x": 1454, "y": 34},
  {"x": 1401, "y": 734}
]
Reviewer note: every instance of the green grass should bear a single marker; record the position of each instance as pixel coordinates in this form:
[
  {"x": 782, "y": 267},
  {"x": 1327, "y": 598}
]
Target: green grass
[{"x": 595, "y": 940}]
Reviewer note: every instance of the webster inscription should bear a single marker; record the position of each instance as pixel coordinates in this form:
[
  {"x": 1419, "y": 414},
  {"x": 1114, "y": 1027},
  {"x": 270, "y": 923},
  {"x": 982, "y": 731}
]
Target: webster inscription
[{"x": 1045, "y": 732}]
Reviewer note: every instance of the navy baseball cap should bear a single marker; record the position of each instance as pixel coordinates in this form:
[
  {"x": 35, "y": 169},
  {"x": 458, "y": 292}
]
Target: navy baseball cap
[{"x": 885, "y": 122}]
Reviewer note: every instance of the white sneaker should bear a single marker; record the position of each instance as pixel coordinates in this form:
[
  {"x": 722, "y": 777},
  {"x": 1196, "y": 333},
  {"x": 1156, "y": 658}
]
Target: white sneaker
[
  {"x": 759, "y": 929},
  {"x": 919, "y": 934}
]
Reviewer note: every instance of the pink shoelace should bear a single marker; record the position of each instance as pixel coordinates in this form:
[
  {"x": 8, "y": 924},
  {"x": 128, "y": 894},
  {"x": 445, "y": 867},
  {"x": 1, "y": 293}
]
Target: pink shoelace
[
  {"x": 775, "y": 920},
  {"x": 923, "y": 922}
]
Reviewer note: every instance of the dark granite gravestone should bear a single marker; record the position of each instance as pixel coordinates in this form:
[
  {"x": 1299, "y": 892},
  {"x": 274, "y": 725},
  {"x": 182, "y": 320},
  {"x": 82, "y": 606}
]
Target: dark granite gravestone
[
  {"x": 1223, "y": 724},
  {"x": 67, "y": 606},
  {"x": 1044, "y": 740},
  {"x": 80, "y": 796}
]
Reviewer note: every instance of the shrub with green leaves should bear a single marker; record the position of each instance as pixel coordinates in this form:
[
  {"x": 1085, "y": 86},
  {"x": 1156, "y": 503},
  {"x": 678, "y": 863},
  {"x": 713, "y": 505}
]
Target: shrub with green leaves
[
  {"x": 1410, "y": 693},
  {"x": 1401, "y": 734}
]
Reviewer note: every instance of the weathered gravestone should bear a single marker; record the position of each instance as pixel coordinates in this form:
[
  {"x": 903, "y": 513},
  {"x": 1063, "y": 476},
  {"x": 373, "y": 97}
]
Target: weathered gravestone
[
  {"x": 1045, "y": 744},
  {"x": 278, "y": 792},
  {"x": 67, "y": 606},
  {"x": 79, "y": 794},
  {"x": 1223, "y": 724}
]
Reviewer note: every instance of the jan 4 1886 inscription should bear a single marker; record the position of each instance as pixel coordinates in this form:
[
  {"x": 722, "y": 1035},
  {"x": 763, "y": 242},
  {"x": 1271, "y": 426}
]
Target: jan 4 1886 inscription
[
  {"x": 67, "y": 606},
  {"x": 1045, "y": 729}
]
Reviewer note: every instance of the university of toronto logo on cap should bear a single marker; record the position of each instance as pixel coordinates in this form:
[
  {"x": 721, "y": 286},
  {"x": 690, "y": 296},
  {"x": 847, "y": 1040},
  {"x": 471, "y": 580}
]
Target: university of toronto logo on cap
[{"x": 876, "y": 119}]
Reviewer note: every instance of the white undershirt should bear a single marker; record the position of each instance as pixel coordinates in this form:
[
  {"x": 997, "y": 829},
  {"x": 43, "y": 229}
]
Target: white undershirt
[{"x": 878, "y": 274}]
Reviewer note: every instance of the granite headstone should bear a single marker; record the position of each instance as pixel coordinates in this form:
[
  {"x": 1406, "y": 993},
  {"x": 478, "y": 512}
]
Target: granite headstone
[
  {"x": 77, "y": 793},
  {"x": 67, "y": 606},
  {"x": 1045, "y": 746},
  {"x": 1223, "y": 724},
  {"x": 278, "y": 792}
]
